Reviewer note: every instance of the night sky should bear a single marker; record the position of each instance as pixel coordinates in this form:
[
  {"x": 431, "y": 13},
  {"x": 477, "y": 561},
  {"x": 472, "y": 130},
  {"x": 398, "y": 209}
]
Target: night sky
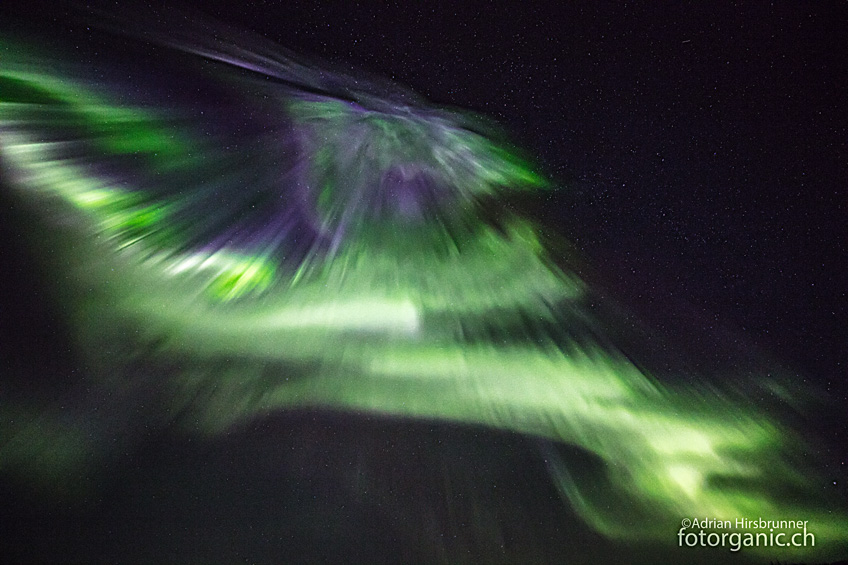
[{"x": 701, "y": 150}]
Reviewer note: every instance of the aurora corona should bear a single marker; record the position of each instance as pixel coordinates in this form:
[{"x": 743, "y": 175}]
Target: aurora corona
[{"x": 312, "y": 239}]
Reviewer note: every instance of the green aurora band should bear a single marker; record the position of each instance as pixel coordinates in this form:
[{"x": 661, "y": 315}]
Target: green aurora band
[{"x": 359, "y": 269}]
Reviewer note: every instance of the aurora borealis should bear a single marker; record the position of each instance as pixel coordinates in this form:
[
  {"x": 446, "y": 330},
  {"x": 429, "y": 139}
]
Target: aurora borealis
[{"x": 310, "y": 239}]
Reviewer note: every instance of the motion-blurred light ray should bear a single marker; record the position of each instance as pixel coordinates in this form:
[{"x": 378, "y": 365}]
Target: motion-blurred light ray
[{"x": 344, "y": 256}]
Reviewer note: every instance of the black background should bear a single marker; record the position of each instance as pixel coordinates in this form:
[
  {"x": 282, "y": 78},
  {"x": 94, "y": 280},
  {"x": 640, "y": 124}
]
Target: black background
[{"x": 701, "y": 148}]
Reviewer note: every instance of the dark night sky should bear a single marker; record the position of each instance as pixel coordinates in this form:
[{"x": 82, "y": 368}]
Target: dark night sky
[{"x": 701, "y": 148}]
